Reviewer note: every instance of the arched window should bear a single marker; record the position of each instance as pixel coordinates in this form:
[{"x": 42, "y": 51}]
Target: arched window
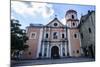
[
  {"x": 55, "y": 35},
  {"x": 72, "y": 16},
  {"x": 73, "y": 24},
  {"x": 46, "y": 35},
  {"x": 89, "y": 30},
  {"x": 77, "y": 51},
  {"x": 76, "y": 35},
  {"x": 29, "y": 53},
  {"x": 62, "y": 35}
]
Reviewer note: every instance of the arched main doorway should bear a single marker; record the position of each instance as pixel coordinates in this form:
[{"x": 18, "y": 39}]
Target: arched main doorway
[{"x": 55, "y": 52}]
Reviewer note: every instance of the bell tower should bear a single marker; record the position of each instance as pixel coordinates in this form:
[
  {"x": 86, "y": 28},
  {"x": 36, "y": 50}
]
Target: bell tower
[
  {"x": 71, "y": 19},
  {"x": 72, "y": 23}
]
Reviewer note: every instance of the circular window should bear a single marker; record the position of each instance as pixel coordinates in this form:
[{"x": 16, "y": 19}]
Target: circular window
[{"x": 55, "y": 24}]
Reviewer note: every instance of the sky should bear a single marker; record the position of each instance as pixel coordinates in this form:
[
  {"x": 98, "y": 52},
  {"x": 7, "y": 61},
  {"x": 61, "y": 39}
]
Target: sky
[{"x": 43, "y": 13}]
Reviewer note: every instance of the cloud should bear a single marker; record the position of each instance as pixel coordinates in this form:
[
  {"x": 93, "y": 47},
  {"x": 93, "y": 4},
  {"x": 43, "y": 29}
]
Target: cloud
[
  {"x": 63, "y": 21},
  {"x": 33, "y": 9},
  {"x": 48, "y": 11},
  {"x": 19, "y": 7},
  {"x": 12, "y": 17}
]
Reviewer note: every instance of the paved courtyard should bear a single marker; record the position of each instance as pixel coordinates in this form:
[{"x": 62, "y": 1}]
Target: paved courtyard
[{"x": 49, "y": 61}]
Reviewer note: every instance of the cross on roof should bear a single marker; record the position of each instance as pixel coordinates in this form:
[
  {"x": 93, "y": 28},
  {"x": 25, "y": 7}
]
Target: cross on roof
[{"x": 56, "y": 16}]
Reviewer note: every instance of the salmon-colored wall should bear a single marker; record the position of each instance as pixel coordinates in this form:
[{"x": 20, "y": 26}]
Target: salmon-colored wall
[
  {"x": 74, "y": 42},
  {"x": 33, "y": 44}
]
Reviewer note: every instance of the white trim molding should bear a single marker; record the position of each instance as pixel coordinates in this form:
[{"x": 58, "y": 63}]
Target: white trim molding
[
  {"x": 39, "y": 44},
  {"x": 35, "y": 34}
]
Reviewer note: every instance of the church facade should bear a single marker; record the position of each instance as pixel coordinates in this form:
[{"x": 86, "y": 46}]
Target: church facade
[{"x": 54, "y": 40}]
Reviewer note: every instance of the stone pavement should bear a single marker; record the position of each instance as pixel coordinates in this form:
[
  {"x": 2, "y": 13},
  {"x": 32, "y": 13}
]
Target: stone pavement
[{"x": 49, "y": 61}]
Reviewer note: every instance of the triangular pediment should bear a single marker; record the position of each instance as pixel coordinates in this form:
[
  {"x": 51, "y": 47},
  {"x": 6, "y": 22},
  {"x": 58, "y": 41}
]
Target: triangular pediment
[{"x": 55, "y": 23}]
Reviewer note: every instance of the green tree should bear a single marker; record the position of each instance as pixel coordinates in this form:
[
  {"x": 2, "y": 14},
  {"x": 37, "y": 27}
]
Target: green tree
[{"x": 18, "y": 36}]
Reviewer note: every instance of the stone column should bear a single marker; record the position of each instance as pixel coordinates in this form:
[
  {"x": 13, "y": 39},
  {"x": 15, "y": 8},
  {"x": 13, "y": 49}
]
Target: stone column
[
  {"x": 65, "y": 45},
  {"x": 61, "y": 50},
  {"x": 47, "y": 50},
  {"x": 43, "y": 50}
]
